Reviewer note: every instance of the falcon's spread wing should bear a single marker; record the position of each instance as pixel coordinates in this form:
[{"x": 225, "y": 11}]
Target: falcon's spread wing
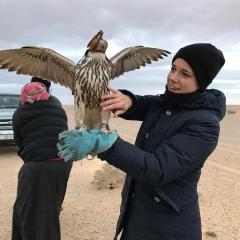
[
  {"x": 134, "y": 57},
  {"x": 39, "y": 62}
]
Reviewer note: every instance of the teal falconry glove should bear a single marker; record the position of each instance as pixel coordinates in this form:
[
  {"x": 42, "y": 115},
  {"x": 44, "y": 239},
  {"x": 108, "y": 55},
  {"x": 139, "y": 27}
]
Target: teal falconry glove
[{"x": 76, "y": 145}]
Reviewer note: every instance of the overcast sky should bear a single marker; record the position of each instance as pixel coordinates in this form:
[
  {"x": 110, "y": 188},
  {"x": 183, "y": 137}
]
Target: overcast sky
[{"x": 67, "y": 27}]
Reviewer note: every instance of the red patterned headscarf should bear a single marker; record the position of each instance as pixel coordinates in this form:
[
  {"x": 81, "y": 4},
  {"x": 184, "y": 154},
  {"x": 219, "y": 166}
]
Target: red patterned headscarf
[{"x": 33, "y": 92}]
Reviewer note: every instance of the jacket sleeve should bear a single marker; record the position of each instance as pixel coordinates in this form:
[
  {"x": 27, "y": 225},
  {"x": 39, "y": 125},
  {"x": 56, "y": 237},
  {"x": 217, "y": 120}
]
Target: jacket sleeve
[
  {"x": 174, "y": 158},
  {"x": 140, "y": 107},
  {"x": 16, "y": 129}
]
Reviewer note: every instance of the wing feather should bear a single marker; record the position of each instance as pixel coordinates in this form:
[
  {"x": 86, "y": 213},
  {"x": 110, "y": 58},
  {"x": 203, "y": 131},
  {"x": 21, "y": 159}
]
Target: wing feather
[
  {"x": 40, "y": 62},
  {"x": 132, "y": 58}
]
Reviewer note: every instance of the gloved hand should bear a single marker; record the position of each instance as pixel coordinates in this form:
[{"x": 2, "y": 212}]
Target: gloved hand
[{"x": 75, "y": 145}]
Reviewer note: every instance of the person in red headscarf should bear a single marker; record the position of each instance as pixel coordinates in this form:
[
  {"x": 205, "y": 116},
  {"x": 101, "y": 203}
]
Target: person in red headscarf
[
  {"x": 42, "y": 179},
  {"x": 34, "y": 92}
]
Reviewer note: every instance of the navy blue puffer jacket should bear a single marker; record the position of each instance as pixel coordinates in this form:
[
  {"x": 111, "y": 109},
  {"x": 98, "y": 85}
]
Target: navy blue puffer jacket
[{"x": 159, "y": 198}]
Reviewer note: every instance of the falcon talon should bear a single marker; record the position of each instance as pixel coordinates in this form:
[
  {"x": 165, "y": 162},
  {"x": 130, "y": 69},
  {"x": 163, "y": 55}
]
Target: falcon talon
[
  {"x": 82, "y": 128},
  {"x": 91, "y": 157}
]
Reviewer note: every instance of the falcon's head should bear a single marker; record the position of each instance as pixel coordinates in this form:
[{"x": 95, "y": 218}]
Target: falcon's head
[{"x": 97, "y": 43}]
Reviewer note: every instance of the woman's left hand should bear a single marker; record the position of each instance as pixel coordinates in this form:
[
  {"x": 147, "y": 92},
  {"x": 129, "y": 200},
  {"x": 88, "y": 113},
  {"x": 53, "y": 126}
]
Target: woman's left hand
[{"x": 116, "y": 101}]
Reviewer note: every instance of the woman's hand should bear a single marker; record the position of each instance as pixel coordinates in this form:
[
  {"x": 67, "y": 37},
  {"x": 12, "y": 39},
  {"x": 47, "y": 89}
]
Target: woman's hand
[
  {"x": 76, "y": 145},
  {"x": 116, "y": 101}
]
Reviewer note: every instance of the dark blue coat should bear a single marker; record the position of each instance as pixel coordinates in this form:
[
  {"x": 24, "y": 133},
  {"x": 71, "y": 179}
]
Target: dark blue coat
[{"x": 159, "y": 197}]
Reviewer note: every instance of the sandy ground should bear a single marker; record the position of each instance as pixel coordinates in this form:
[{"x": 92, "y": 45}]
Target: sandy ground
[{"x": 91, "y": 214}]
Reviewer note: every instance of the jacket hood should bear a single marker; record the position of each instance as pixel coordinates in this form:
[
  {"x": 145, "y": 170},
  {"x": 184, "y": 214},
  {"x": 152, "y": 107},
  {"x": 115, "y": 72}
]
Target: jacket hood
[{"x": 211, "y": 99}]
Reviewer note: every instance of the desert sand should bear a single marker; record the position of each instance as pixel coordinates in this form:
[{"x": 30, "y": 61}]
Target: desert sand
[{"x": 90, "y": 213}]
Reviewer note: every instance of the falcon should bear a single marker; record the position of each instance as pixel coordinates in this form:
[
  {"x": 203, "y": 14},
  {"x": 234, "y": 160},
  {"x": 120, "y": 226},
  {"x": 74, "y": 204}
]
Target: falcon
[{"x": 88, "y": 79}]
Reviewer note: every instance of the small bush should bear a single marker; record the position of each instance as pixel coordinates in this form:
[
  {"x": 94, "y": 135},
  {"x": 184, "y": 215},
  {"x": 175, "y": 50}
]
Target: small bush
[
  {"x": 108, "y": 177},
  {"x": 211, "y": 234},
  {"x": 231, "y": 111}
]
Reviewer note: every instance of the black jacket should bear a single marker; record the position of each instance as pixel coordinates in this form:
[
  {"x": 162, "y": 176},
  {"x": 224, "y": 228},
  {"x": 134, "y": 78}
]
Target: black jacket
[
  {"x": 159, "y": 197},
  {"x": 36, "y": 127}
]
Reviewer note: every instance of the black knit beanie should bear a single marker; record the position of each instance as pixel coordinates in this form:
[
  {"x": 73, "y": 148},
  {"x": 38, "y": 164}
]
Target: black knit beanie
[
  {"x": 45, "y": 82},
  {"x": 205, "y": 60}
]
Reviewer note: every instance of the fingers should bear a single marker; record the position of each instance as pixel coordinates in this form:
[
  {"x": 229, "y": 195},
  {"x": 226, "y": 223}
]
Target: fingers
[
  {"x": 115, "y": 101},
  {"x": 112, "y": 94},
  {"x": 112, "y": 106},
  {"x": 108, "y": 96},
  {"x": 111, "y": 103},
  {"x": 67, "y": 133},
  {"x": 63, "y": 135},
  {"x": 61, "y": 145},
  {"x": 118, "y": 113},
  {"x": 112, "y": 90}
]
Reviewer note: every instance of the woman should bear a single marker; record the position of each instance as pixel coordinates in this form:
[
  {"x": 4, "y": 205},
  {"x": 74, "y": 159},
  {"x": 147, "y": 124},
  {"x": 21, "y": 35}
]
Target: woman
[
  {"x": 179, "y": 130},
  {"x": 42, "y": 179}
]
